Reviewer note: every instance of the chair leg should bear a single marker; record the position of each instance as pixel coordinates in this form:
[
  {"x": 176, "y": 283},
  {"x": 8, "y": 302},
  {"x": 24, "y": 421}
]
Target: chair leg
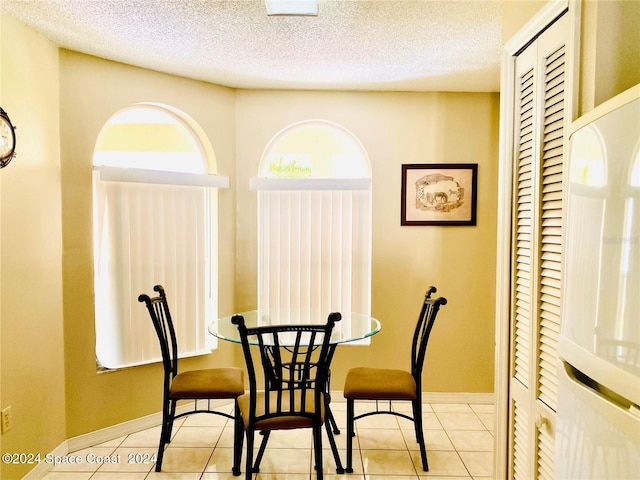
[
  {"x": 238, "y": 440},
  {"x": 168, "y": 410},
  {"x": 249, "y": 461},
  {"x": 417, "y": 421},
  {"x": 332, "y": 422},
  {"x": 317, "y": 450},
  {"x": 263, "y": 447},
  {"x": 350, "y": 434},
  {"x": 334, "y": 447}
]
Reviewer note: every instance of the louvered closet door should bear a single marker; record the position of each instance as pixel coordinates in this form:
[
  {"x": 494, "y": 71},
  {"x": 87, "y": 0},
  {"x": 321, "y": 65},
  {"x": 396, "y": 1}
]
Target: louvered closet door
[{"x": 536, "y": 243}]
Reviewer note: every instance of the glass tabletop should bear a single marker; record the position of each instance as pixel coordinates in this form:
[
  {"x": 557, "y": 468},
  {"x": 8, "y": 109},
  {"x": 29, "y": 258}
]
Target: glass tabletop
[{"x": 352, "y": 327}]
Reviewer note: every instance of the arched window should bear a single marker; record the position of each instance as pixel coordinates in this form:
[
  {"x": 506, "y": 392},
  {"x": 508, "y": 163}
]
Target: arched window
[
  {"x": 314, "y": 224},
  {"x": 155, "y": 222}
]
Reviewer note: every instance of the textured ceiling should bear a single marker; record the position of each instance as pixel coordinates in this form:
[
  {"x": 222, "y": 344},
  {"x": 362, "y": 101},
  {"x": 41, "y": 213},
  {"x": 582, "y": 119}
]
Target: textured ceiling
[{"x": 424, "y": 45}]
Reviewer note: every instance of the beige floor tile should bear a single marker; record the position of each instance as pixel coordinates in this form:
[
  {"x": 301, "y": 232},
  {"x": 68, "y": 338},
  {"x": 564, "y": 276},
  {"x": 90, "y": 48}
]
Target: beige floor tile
[
  {"x": 173, "y": 476},
  {"x": 299, "y": 438},
  {"x": 451, "y": 407},
  {"x": 186, "y": 460},
  {"x": 387, "y": 462},
  {"x": 471, "y": 440},
  {"x": 221, "y": 461},
  {"x": 479, "y": 464},
  {"x": 340, "y": 439},
  {"x": 482, "y": 407},
  {"x": 68, "y": 476},
  {"x": 116, "y": 442},
  {"x": 379, "y": 439},
  {"x": 345, "y": 476},
  {"x": 286, "y": 461},
  {"x": 441, "y": 463},
  {"x": 226, "y": 437},
  {"x": 438, "y": 477},
  {"x": 434, "y": 440},
  {"x": 206, "y": 420},
  {"x": 429, "y": 422},
  {"x": 86, "y": 460},
  {"x": 390, "y": 477},
  {"x": 196, "y": 437},
  {"x": 119, "y": 476},
  {"x": 329, "y": 463},
  {"x": 218, "y": 476},
  {"x": 487, "y": 420},
  {"x": 405, "y": 407},
  {"x": 460, "y": 421},
  {"x": 279, "y": 476},
  {"x": 378, "y": 421},
  {"x": 145, "y": 438}
]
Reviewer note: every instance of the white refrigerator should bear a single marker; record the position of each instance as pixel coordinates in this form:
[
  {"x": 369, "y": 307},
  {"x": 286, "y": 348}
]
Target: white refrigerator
[{"x": 598, "y": 418}]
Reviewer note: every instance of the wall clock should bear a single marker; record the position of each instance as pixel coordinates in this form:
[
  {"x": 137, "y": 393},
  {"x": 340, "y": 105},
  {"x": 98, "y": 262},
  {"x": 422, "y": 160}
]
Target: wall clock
[{"x": 7, "y": 139}]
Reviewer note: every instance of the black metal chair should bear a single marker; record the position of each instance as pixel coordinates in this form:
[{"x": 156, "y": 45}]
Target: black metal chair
[
  {"x": 384, "y": 384},
  {"x": 291, "y": 392},
  {"x": 201, "y": 386}
]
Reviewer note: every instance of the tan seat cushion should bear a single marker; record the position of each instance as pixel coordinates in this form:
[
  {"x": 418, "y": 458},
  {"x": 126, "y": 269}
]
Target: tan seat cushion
[
  {"x": 209, "y": 383},
  {"x": 363, "y": 383},
  {"x": 284, "y": 422}
]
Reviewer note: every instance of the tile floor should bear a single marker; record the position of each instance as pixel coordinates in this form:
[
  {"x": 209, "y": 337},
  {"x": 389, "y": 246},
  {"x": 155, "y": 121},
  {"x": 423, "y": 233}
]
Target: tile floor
[{"x": 459, "y": 446}]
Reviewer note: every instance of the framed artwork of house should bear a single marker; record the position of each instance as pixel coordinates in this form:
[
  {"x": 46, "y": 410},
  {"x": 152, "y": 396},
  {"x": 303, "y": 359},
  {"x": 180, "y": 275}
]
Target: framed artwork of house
[{"x": 439, "y": 194}]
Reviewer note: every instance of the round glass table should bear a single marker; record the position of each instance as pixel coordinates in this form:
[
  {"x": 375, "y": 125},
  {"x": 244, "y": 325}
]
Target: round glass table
[{"x": 352, "y": 328}]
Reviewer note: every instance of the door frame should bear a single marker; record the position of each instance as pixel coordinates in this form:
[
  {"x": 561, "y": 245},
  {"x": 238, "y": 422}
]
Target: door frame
[{"x": 538, "y": 23}]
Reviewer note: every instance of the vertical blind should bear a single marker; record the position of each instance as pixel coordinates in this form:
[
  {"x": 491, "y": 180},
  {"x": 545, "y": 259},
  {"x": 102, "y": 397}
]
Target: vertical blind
[
  {"x": 314, "y": 247},
  {"x": 148, "y": 234}
]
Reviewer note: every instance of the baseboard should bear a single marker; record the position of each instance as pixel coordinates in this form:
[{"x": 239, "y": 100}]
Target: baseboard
[
  {"x": 446, "y": 397},
  {"x": 42, "y": 468},
  {"x": 439, "y": 397}
]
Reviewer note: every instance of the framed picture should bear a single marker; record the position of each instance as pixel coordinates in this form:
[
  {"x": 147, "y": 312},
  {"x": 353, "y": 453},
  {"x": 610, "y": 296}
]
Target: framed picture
[{"x": 439, "y": 194}]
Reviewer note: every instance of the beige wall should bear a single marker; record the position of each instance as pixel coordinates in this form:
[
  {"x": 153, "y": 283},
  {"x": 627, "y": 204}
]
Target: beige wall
[
  {"x": 32, "y": 360},
  {"x": 516, "y": 14},
  {"x": 397, "y": 128},
  {"x": 610, "y": 50}
]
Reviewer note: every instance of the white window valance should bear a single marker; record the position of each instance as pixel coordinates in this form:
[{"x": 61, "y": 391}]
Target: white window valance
[{"x": 161, "y": 177}]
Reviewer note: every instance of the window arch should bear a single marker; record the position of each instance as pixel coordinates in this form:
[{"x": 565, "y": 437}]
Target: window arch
[
  {"x": 314, "y": 149},
  {"x": 314, "y": 223},
  {"x": 155, "y": 222}
]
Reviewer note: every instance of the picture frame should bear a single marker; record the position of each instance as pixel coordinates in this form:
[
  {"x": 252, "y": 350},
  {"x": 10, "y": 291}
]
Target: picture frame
[{"x": 439, "y": 194}]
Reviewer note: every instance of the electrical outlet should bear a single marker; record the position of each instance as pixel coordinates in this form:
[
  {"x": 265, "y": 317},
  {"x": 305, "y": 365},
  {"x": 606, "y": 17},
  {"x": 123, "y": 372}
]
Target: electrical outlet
[{"x": 6, "y": 419}]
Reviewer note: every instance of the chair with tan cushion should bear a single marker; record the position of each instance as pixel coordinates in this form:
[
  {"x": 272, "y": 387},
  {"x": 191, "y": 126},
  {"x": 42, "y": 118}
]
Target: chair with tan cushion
[
  {"x": 287, "y": 366},
  {"x": 201, "y": 386},
  {"x": 391, "y": 385}
]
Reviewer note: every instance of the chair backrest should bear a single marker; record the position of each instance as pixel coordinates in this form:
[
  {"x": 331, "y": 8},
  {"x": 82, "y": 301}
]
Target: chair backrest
[
  {"x": 428, "y": 314},
  {"x": 294, "y": 361},
  {"x": 162, "y": 322}
]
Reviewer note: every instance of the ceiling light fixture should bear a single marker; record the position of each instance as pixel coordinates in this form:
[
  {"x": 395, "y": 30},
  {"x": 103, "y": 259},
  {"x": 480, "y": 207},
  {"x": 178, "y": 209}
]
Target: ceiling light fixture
[{"x": 292, "y": 7}]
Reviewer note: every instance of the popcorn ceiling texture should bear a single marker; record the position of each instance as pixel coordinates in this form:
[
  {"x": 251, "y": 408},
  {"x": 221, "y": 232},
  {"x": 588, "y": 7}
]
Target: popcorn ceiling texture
[{"x": 382, "y": 45}]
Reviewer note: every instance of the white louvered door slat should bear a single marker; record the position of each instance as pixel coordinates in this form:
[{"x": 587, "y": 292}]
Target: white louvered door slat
[
  {"x": 520, "y": 428},
  {"x": 537, "y": 241},
  {"x": 551, "y": 226},
  {"x": 523, "y": 224}
]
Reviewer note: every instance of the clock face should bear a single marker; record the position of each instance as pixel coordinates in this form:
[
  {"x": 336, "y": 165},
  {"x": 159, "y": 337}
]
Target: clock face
[{"x": 7, "y": 140}]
